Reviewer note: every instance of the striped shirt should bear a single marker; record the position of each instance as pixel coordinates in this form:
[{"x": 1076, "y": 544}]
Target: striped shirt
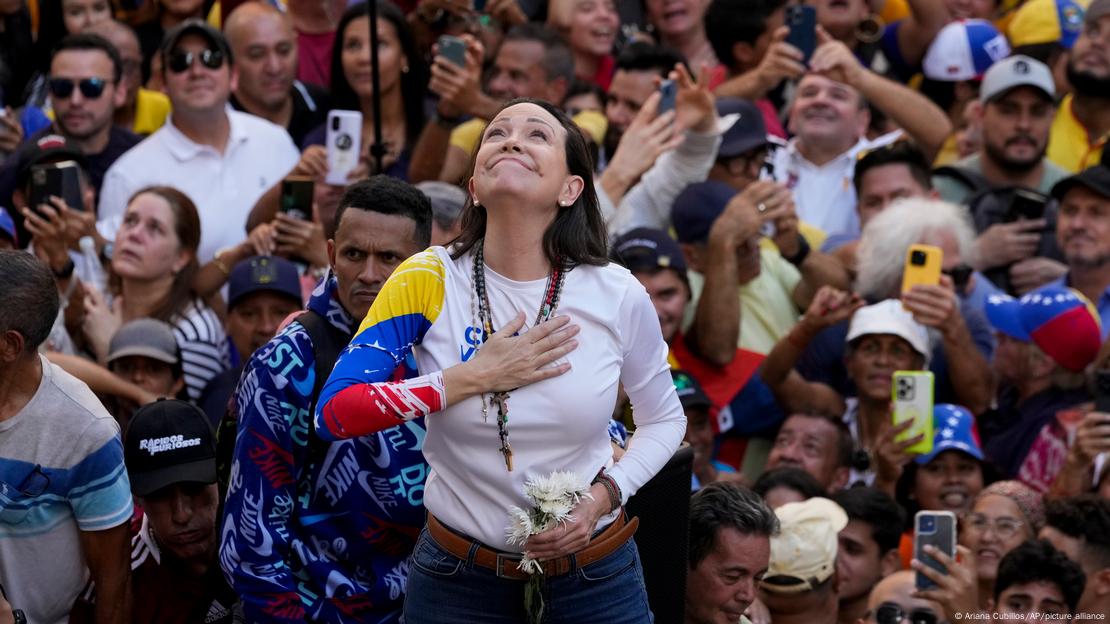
[{"x": 203, "y": 344}]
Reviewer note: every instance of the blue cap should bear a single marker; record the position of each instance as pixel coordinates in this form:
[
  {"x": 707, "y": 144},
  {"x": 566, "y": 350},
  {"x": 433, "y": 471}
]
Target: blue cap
[
  {"x": 7, "y": 226},
  {"x": 749, "y": 131},
  {"x": 953, "y": 430},
  {"x": 263, "y": 273},
  {"x": 697, "y": 207},
  {"x": 1058, "y": 320},
  {"x": 648, "y": 249}
]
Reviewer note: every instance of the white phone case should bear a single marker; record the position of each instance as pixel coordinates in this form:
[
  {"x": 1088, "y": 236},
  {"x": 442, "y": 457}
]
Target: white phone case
[{"x": 344, "y": 144}]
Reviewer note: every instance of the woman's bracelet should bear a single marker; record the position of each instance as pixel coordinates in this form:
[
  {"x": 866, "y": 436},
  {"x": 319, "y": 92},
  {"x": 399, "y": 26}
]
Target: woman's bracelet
[{"x": 611, "y": 487}]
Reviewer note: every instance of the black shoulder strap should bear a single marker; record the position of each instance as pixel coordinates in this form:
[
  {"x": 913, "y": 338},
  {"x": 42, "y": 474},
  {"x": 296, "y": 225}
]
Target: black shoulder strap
[{"x": 328, "y": 341}]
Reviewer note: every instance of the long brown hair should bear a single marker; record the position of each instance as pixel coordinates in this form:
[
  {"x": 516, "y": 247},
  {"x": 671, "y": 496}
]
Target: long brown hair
[
  {"x": 186, "y": 226},
  {"x": 577, "y": 235}
]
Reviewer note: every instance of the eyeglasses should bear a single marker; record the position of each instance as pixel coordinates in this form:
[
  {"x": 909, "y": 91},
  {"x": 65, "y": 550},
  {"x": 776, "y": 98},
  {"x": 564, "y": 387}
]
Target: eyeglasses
[
  {"x": 179, "y": 60},
  {"x": 1005, "y": 528},
  {"x": 891, "y": 613},
  {"x": 744, "y": 163},
  {"x": 961, "y": 275},
  {"x": 35, "y": 484},
  {"x": 91, "y": 88}
]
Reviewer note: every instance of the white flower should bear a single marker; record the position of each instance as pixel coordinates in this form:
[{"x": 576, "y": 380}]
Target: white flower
[
  {"x": 520, "y": 526},
  {"x": 558, "y": 509},
  {"x": 553, "y": 497},
  {"x": 530, "y": 565},
  {"x": 556, "y": 486}
]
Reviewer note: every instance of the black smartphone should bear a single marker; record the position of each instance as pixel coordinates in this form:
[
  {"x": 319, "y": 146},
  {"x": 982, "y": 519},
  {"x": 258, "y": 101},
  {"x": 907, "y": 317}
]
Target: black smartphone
[
  {"x": 1102, "y": 390},
  {"x": 1026, "y": 204},
  {"x": 937, "y": 529},
  {"x": 802, "y": 20},
  {"x": 61, "y": 179},
  {"x": 296, "y": 197},
  {"x": 453, "y": 49},
  {"x": 668, "y": 90}
]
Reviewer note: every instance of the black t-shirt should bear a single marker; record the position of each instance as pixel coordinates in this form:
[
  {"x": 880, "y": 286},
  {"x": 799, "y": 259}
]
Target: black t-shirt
[{"x": 310, "y": 109}]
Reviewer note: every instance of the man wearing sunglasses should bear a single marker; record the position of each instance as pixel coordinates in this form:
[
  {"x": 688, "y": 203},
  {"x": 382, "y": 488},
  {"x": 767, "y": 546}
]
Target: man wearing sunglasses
[
  {"x": 224, "y": 160},
  {"x": 84, "y": 87},
  {"x": 891, "y": 602}
]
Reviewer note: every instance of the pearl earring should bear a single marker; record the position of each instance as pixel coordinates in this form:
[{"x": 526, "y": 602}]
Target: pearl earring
[{"x": 475, "y": 202}]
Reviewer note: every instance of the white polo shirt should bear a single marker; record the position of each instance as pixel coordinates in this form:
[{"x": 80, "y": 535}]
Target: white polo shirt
[
  {"x": 224, "y": 186},
  {"x": 824, "y": 196}
]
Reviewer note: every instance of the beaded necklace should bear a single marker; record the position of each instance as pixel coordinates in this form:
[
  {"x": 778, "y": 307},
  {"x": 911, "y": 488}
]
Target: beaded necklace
[{"x": 550, "y": 302}]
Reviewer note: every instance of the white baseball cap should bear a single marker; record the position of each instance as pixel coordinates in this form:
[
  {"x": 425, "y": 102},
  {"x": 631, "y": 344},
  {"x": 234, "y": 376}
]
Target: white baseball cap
[
  {"x": 889, "y": 317},
  {"x": 1017, "y": 71},
  {"x": 803, "y": 553}
]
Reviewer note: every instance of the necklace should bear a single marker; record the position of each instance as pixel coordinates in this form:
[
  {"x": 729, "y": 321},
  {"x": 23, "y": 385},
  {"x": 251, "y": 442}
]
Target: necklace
[{"x": 548, "y": 305}]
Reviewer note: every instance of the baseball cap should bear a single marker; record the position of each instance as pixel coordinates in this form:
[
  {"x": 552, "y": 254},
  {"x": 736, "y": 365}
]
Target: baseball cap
[
  {"x": 889, "y": 317},
  {"x": 144, "y": 337},
  {"x": 953, "y": 429},
  {"x": 1016, "y": 71},
  {"x": 803, "y": 553},
  {"x": 747, "y": 133},
  {"x": 447, "y": 199},
  {"x": 7, "y": 226},
  {"x": 1056, "y": 319},
  {"x": 45, "y": 149},
  {"x": 689, "y": 390},
  {"x": 195, "y": 26},
  {"x": 1046, "y": 21},
  {"x": 263, "y": 273},
  {"x": 648, "y": 249},
  {"x": 963, "y": 50},
  {"x": 168, "y": 442},
  {"x": 697, "y": 207},
  {"x": 1096, "y": 178}
]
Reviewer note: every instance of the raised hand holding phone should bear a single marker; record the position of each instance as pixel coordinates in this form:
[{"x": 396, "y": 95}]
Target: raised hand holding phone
[{"x": 344, "y": 145}]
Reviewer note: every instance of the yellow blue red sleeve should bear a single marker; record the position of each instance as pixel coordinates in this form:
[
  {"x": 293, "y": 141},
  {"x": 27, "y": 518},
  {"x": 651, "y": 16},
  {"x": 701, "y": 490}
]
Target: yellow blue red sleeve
[{"x": 358, "y": 397}]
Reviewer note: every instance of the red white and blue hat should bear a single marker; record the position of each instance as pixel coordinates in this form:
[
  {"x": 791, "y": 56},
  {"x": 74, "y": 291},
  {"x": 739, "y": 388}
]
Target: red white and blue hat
[
  {"x": 1056, "y": 319},
  {"x": 953, "y": 430},
  {"x": 964, "y": 50}
]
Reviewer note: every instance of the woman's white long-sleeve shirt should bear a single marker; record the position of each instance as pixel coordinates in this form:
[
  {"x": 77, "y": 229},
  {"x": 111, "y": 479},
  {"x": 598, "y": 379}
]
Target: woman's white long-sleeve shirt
[{"x": 428, "y": 306}]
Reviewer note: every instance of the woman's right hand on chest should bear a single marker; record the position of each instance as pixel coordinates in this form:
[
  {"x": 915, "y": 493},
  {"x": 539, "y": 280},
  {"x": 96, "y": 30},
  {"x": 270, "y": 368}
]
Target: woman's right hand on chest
[{"x": 508, "y": 361}]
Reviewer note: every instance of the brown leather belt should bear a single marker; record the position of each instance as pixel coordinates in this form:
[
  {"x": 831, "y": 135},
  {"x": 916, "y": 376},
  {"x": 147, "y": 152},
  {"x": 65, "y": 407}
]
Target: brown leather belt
[{"x": 505, "y": 564}]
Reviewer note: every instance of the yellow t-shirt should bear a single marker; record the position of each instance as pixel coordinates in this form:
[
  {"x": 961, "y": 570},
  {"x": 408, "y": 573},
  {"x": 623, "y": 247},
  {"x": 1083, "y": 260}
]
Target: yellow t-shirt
[
  {"x": 1070, "y": 144},
  {"x": 151, "y": 110}
]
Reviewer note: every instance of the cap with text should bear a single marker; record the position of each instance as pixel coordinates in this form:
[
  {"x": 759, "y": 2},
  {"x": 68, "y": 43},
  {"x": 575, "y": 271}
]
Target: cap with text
[{"x": 168, "y": 442}]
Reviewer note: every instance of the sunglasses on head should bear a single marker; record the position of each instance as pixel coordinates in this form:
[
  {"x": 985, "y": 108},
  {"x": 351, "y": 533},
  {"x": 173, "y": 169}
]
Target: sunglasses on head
[
  {"x": 890, "y": 613},
  {"x": 179, "y": 60},
  {"x": 961, "y": 275},
  {"x": 91, "y": 88}
]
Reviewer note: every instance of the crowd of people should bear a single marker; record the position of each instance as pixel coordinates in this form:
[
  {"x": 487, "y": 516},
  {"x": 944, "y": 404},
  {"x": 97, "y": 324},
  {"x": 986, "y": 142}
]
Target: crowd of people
[{"x": 214, "y": 408}]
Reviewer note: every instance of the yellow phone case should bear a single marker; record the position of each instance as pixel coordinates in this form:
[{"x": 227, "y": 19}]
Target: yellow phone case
[
  {"x": 922, "y": 266},
  {"x": 913, "y": 400}
]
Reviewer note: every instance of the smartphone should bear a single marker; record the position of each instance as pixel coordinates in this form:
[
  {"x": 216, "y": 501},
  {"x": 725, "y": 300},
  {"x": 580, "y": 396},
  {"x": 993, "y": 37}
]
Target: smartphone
[
  {"x": 1026, "y": 204},
  {"x": 344, "y": 144},
  {"x": 802, "y": 20},
  {"x": 922, "y": 266},
  {"x": 61, "y": 179},
  {"x": 936, "y": 529},
  {"x": 296, "y": 197},
  {"x": 913, "y": 400},
  {"x": 453, "y": 49},
  {"x": 667, "y": 92},
  {"x": 1102, "y": 390}
]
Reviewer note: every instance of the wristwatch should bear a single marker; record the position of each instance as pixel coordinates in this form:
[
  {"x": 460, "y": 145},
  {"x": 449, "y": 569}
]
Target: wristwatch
[
  {"x": 66, "y": 271},
  {"x": 803, "y": 252}
]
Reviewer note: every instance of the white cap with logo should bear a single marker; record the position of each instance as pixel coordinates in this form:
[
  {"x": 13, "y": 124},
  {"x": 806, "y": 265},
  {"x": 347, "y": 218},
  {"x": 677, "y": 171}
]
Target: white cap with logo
[{"x": 1017, "y": 71}]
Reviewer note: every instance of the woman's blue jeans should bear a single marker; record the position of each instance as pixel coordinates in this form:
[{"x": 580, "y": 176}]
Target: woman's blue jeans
[{"x": 443, "y": 589}]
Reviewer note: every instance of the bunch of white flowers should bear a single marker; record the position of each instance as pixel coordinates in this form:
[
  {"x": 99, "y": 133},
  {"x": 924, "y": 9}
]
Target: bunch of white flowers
[{"x": 553, "y": 497}]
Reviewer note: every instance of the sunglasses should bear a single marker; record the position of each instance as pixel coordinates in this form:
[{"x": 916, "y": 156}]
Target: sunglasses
[
  {"x": 961, "y": 275},
  {"x": 91, "y": 88},
  {"x": 179, "y": 61},
  {"x": 890, "y": 613}
]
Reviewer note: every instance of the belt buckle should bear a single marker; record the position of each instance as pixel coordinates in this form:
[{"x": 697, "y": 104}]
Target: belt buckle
[{"x": 502, "y": 571}]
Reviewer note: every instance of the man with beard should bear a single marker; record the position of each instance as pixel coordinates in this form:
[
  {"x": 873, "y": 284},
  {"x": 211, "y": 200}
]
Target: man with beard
[
  {"x": 1082, "y": 123},
  {"x": 1017, "y": 96},
  {"x": 1083, "y": 233},
  {"x": 84, "y": 84}
]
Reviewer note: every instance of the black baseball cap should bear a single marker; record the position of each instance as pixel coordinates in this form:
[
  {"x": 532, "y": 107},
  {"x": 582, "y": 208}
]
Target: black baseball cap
[
  {"x": 648, "y": 249},
  {"x": 263, "y": 273},
  {"x": 689, "y": 390},
  {"x": 697, "y": 207},
  {"x": 49, "y": 148},
  {"x": 195, "y": 26},
  {"x": 1096, "y": 178},
  {"x": 749, "y": 131},
  {"x": 168, "y": 442}
]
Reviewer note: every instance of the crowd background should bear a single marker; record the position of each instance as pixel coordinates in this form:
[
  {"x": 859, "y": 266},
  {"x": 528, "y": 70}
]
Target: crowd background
[{"x": 158, "y": 460}]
